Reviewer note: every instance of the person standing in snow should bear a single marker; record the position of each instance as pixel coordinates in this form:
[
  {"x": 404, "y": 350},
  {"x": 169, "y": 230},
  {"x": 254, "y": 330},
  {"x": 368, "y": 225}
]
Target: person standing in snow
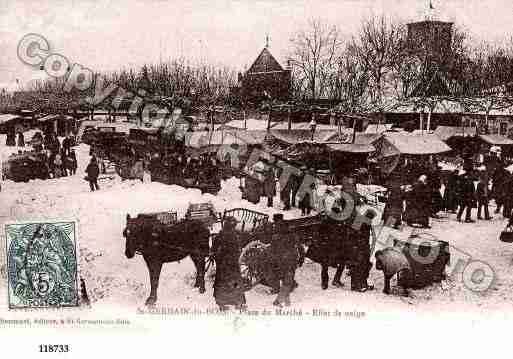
[
  {"x": 482, "y": 197},
  {"x": 450, "y": 192},
  {"x": 228, "y": 283},
  {"x": 66, "y": 145},
  {"x": 73, "y": 162},
  {"x": 21, "y": 139},
  {"x": 393, "y": 211},
  {"x": 467, "y": 197},
  {"x": 418, "y": 203},
  {"x": 57, "y": 162},
  {"x": 269, "y": 185},
  {"x": 93, "y": 171}
]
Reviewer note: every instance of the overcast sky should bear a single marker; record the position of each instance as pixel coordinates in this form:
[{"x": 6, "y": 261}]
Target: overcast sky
[{"x": 108, "y": 34}]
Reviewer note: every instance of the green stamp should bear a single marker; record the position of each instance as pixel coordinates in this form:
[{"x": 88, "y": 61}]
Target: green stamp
[{"x": 42, "y": 265}]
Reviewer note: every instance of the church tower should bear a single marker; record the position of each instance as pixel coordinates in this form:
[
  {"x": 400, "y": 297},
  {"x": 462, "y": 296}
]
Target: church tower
[{"x": 430, "y": 41}]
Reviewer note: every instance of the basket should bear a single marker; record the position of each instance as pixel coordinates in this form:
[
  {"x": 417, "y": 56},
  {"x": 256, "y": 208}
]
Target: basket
[{"x": 507, "y": 235}]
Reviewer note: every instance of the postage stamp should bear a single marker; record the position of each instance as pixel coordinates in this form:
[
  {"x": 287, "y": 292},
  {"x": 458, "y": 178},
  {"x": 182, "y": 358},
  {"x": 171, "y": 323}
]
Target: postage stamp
[{"x": 42, "y": 265}]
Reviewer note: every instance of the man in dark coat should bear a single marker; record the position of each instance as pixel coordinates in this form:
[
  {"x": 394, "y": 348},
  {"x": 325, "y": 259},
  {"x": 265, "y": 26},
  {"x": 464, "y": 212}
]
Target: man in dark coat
[
  {"x": 11, "y": 138},
  {"x": 66, "y": 145},
  {"x": 21, "y": 139},
  {"x": 269, "y": 186},
  {"x": 435, "y": 182},
  {"x": 285, "y": 260},
  {"x": 450, "y": 192},
  {"x": 482, "y": 197},
  {"x": 467, "y": 197},
  {"x": 499, "y": 179},
  {"x": 295, "y": 185},
  {"x": 394, "y": 205},
  {"x": 361, "y": 263},
  {"x": 93, "y": 171},
  {"x": 418, "y": 204},
  {"x": 228, "y": 283},
  {"x": 73, "y": 162},
  {"x": 508, "y": 196}
]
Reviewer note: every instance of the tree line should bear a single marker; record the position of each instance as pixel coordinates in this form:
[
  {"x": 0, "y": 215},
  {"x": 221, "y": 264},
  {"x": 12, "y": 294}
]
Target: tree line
[{"x": 370, "y": 71}]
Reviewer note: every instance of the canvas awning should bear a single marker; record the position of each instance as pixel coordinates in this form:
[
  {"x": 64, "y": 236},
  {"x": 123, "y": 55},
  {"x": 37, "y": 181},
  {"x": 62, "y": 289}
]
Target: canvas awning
[
  {"x": 496, "y": 140},
  {"x": 7, "y": 117},
  {"x": 351, "y": 147},
  {"x": 378, "y": 128},
  {"x": 297, "y": 136},
  {"x": 393, "y": 144},
  {"x": 200, "y": 139},
  {"x": 53, "y": 118},
  {"x": 446, "y": 132}
]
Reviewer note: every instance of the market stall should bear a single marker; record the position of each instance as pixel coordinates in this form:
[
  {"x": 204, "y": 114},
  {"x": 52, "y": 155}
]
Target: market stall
[{"x": 407, "y": 154}]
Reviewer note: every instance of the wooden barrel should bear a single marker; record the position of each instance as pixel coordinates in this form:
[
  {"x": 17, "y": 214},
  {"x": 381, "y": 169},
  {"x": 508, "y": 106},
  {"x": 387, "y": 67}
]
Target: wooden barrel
[{"x": 428, "y": 258}]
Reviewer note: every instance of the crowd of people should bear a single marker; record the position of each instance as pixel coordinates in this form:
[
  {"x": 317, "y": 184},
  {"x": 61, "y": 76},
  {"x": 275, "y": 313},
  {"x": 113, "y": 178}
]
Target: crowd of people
[
  {"x": 58, "y": 160},
  {"x": 464, "y": 190},
  {"x": 186, "y": 170}
]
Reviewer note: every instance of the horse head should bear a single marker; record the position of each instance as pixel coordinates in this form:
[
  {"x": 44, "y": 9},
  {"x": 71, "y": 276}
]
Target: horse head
[{"x": 132, "y": 235}]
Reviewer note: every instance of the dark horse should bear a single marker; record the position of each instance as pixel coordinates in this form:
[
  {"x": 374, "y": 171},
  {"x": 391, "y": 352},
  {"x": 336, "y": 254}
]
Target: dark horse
[
  {"x": 332, "y": 248},
  {"x": 161, "y": 244}
]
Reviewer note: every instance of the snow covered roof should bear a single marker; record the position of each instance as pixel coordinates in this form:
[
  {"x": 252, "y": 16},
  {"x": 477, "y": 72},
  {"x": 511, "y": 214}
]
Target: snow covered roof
[
  {"x": 392, "y": 144},
  {"x": 446, "y": 132},
  {"x": 496, "y": 140},
  {"x": 378, "y": 128},
  {"x": 352, "y": 147},
  {"x": 199, "y": 139},
  {"x": 296, "y": 136},
  {"x": 7, "y": 117}
]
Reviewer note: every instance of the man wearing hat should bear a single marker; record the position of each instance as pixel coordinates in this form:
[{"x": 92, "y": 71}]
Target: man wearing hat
[
  {"x": 228, "y": 283},
  {"x": 296, "y": 182},
  {"x": 284, "y": 251}
]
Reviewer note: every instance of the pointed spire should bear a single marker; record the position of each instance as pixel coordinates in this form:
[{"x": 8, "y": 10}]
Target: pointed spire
[{"x": 267, "y": 41}]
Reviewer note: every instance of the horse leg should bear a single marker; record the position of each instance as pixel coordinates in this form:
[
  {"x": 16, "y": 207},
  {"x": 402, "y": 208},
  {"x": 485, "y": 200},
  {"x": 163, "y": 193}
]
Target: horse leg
[
  {"x": 324, "y": 276},
  {"x": 154, "y": 267},
  {"x": 286, "y": 286},
  {"x": 386, "y": 290},
  {"x": 336, "y": 280},
  {"x": 199, "y": 263}
]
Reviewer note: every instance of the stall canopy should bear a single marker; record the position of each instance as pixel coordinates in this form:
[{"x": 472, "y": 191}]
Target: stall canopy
[
  {"x": 496, "y": 140},
  {"x": 379, "y": 128},
  {"x": 48, "y": 118},
  {"x": 210, "y": 141},
  {"x": 7, "y": 117},
  {"x": 392, "y": 146},
  {"x": 447, "y": 132},
  {"x": 297, "y": 136}
]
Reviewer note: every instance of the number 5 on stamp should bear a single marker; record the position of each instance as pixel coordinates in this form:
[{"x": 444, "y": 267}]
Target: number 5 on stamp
[{"x": 42, "y": 265}]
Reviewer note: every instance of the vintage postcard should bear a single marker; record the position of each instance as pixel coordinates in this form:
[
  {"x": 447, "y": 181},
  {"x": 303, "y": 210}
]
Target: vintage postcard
[{"x": 327, "y": 174}]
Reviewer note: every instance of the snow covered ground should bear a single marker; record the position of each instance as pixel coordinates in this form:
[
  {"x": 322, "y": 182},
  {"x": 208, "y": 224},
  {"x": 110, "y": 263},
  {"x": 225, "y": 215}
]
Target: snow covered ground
[{"x": 114, "y": 281}]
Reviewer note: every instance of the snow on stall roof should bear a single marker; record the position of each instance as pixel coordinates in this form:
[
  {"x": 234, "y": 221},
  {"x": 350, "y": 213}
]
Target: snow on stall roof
[
  {"x": 198, "y": 139},
  {"x": 7, "y": 117},
  {"x": 297, "y": 136},
  {"x": 446, "y": 132},
  {"x": 497, "y": 140},
  {"x": 378, "y": 128},
  {"x": 405, "y": 143}
]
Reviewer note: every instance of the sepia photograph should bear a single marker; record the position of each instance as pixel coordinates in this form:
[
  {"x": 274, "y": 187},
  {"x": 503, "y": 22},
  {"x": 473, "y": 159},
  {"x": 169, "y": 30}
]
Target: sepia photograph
[{"x": 249, "y": 172}]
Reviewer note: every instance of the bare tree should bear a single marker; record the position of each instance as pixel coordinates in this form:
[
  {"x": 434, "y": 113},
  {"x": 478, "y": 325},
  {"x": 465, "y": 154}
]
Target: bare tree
[
  {"x": 349, "y": 83},
  {"x": 380, "y": 46},
  {"x": 314, "y": 54},
  {"x": 487, "y": 79}
]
